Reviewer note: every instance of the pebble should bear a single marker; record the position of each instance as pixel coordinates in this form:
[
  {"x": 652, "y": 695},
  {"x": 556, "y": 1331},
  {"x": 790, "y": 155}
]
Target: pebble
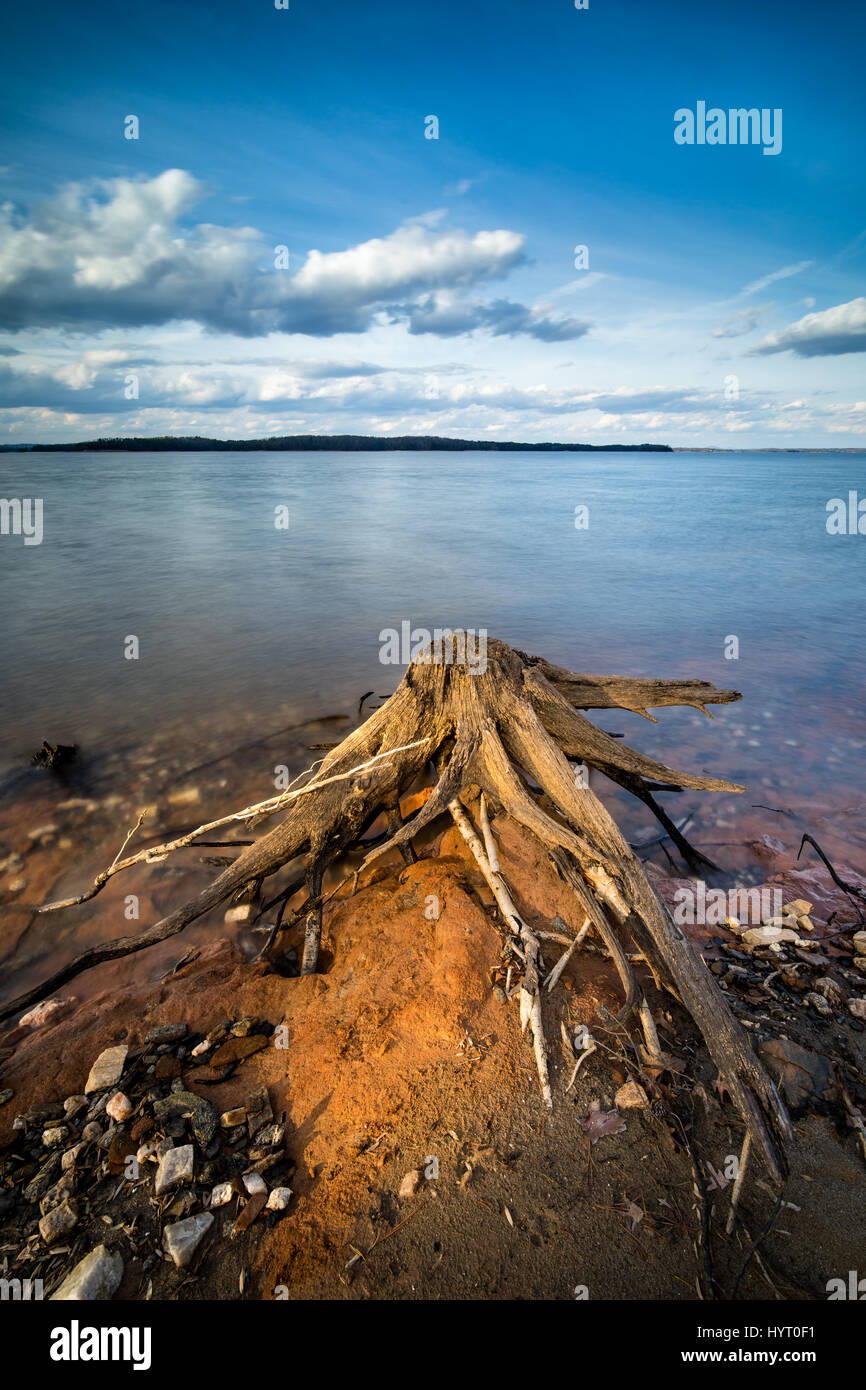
[
  {"x": 95, "y": 1278},
  {"x": 761, "y": 936},
  {"x": 175, "y": 1167},
  {"x": 631, "y": 1096},
  {"x": 119, "y": 1107},
  {"x": 44, "y": 1011},
  {"x": 188, "y": 797},
  {"x": 201, "y": 1048},
  {"x": 410, "y": 1184},
  {"x": 183, "y": 1104},
  {"x": 254, "y": 1182},
  {"x": 819, "y": 1003},
  {"x": 91, "y": 1132},
  {"x": 73, "y": 1105},
  {"x": 279, "y": 1199},
  {"x": 798, "y": 908},
  {"x": 56, "y": 1136},
  {"x": 182, "y": 1238},
  {"x": 230, "y": 1118},
  {"x": 58, "y": 1222},
  {"x": 857, "y": 1008},
  {"x": 240, "y": 913},
  {"x": 221, "y": 1194},
  {"x": 70, "y": 1158},
  {"x": 107, "y": 1069},
  {"x": 166, "y": 1033}
]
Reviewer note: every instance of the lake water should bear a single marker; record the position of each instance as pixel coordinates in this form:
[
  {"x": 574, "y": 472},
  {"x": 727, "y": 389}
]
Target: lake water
[{"x": 231, "y": 613}]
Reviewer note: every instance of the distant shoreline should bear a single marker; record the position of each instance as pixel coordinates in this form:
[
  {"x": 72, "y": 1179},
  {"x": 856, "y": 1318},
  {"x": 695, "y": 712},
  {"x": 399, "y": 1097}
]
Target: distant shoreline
[
  {"x": 344, "y": 443},
  {"x": 362, "y": 443}
]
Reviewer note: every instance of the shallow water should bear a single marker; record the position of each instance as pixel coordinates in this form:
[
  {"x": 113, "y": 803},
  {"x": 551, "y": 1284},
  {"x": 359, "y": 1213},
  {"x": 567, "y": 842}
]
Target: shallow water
[{"x": 180, "y": 550}]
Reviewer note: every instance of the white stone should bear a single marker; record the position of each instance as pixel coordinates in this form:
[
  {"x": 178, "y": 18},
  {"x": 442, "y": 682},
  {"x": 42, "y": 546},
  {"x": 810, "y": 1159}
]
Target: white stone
[
  {"x": 107, "y": 1069},
  {"x": 857, "y": 1008},
  {"x": 182, "y": 1238},
  {"x": 221, "y": 1194},
  {"x": 279, "y": 1199},
  {"x": 175, "y": 1167},
  {"x": 254, "y": 1182},
  {"x": 96, "y": 1277}
]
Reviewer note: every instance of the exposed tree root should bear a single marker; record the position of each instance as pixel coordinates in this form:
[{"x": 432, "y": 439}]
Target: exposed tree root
[{"x": 500, "y": 738}]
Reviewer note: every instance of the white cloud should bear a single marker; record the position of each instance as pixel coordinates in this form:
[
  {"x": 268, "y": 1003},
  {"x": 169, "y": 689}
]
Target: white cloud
[
  {"x": 116, "y": 254},
  {"x": 783, "y": 274},
  {"x": 826, "y": 334}
]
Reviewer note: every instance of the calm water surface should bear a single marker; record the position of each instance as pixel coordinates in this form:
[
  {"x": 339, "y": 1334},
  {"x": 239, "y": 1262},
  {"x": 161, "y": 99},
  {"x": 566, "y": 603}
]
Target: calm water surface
[{"x": 682, "y": 551}]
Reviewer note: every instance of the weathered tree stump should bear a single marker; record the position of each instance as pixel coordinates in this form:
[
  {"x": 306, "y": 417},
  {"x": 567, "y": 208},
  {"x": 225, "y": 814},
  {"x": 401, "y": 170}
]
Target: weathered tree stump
[{"x": 501, "y": 738}]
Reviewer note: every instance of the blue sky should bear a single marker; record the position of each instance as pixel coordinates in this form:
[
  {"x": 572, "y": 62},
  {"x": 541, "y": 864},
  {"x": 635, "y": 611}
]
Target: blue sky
[{"x": 431, "y": 284}]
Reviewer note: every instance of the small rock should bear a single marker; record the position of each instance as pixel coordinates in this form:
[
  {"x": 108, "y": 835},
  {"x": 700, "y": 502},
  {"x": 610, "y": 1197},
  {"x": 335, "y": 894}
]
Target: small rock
[
  {"x": 857, "y": 1008},
  {"x": 6, "y": 1096},
  {"x": 631, "y": 1096},
  {"x": 95, "y": 1278},
  {"x": 830, "y": 989},
  {"x": 119, "y": 1107},
  {"x": 230, "y": 1118},
  {"x": 185, "y": 1105},
  {"x": 805, "y": 923},
  {"x": 236, "y": 1049},
  {"x": 91, "y": 1132},
  {"x": 107, "y": 1069},
  {"x": 166, "y": 1033},
  {"x": 250, "y": 1211},
  {"x": 48, "y": 1009},
  {"x": 241, "y": 913},
  {"x": 55, "y": 1137},
  {"x": 761, "y": 936},
  {"x": 201, "y": 1048},
  {"x": 254, "y": 1182},
  {"x": 798, "y": 908},
  {"x": 860, "y": 942},
  {"x": 182, "y": 1238},
  {"x": 259, "y": 1112},
  {"x": 175, "y": 1167},
  {"x": 74, "y": 1105},
  {"x": 167, "y": 1068},
  {"x": 410, "y": 1184},
  {"x": 58, "y": 1222},
  {"x": 70, "y": 1158},
  {"x": 819, "y": 1003},
  {"x": 221, "y": 1194},
  {"x": 279, "y": 1199}
]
